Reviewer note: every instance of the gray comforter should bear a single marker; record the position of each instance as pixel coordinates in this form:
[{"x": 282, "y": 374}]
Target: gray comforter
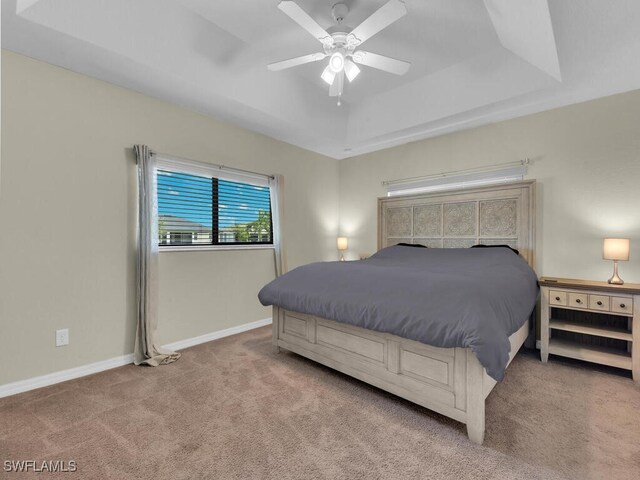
[{"x": 462, "y": 297}]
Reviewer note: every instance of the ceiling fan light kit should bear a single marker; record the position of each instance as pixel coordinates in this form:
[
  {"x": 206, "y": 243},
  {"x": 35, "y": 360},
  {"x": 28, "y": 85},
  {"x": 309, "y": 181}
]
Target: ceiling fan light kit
[{"x": 341, "y": 45}]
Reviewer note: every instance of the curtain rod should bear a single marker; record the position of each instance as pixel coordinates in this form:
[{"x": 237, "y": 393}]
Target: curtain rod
[
  {"x": 488, "y": 168},
  {"x": 211, "y": 165}
]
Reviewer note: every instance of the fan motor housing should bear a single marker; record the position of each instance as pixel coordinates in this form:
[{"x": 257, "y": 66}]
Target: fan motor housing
[{"x": 340, "y": 44}]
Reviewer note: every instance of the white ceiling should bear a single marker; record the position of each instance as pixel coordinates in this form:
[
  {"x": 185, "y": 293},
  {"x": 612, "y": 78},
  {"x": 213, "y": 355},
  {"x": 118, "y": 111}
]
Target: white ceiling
[{"x": 473, "y": 62}]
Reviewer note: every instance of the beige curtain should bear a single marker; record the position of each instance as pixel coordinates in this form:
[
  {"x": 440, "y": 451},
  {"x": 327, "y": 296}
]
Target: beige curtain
[
  {"x": 146, "y": 351},
  {"x": 276, "y": 188}
]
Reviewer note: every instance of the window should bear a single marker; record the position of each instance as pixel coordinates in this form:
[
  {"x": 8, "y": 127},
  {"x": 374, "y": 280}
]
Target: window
[
  {"x": 202, "y": 210},
  {"x": 457, "y": 180}
]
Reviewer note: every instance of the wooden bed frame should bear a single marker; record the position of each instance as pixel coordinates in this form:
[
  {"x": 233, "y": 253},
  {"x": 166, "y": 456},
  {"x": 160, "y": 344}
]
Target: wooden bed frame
[{"x": 450, "y": 381}]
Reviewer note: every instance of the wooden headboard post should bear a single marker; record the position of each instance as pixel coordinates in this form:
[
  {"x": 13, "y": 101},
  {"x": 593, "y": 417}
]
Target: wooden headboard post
[{"x": 493, "y": 215}]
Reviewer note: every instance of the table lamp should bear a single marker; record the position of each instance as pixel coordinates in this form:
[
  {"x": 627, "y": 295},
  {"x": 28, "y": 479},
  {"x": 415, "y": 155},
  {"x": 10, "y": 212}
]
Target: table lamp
[
  {"x": 616, "y": 249},
  {"x": 343, "y": 243}
]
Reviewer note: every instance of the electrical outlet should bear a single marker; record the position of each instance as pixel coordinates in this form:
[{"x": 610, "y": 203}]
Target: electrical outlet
[{"x": 62, "y": 337}]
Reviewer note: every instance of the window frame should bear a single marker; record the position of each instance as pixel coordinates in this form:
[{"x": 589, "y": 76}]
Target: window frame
[{"x": 220, "y": 173}]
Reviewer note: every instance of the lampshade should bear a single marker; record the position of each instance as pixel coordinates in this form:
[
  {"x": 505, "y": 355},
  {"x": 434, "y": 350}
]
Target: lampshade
[
  {"x": 351, "y": 70},
  {"x": 328, "y": 75},
  {"x": 342, "y": 243},
  {"x": 616, "y": 249}
]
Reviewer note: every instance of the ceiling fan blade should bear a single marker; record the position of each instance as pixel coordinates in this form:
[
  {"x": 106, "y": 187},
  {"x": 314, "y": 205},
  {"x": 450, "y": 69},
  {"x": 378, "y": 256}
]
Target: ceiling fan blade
[
  {"x": 335, "y": 90},
  {"x": 294, "y": 62},
  {"x": 387, "y": 64},
  {"x": 303, "y": 19},
  {"x": 380, "y": 19}
]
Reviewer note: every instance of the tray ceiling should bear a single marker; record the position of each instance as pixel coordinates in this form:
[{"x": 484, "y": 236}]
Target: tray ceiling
[{"x": 473, "y": 62}]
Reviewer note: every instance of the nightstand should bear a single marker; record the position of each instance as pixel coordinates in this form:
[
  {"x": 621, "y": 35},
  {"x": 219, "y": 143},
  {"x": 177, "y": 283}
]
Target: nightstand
[{"x": 591, "y": 321}]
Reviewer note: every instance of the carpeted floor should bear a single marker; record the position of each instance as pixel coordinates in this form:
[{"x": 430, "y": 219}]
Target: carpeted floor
[{"x": 232, "y": 409}]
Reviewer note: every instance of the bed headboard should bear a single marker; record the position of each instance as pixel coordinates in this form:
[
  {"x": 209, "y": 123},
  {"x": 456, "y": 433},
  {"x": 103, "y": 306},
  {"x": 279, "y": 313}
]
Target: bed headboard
[{"x": 502, "y": 214}]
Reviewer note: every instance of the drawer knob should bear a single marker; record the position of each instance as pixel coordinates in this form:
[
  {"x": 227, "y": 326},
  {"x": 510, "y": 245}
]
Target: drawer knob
[
  {"x": 558, "y": 299},
  {"x": 578, "y": 300},
  {"x": 622, "y": 305},
  {"x": 599, "y": 302}
]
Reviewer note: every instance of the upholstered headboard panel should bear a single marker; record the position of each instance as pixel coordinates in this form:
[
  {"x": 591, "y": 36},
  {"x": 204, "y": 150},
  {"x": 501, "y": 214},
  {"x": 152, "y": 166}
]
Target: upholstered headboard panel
[{"x": 503, "y": 214}]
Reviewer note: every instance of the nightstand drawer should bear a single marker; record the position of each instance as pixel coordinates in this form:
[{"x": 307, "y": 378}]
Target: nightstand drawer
[
  {"x": 557, "y": 298},
  {"x": 578, "y": 300},
  {"x": 599, "y": 302},
  {"x": 622, "y": 305}
]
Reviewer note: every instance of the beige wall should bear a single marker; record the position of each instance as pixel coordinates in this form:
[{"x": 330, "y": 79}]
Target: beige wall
[
  {"x": 67, "y": 217},
  {"x": 68, "y": 199},
  {"x": 585, "y": 158}
]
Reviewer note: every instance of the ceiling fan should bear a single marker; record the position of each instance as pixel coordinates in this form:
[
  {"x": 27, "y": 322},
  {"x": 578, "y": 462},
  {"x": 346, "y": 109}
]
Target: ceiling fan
[{"x": 342, "y": 44}]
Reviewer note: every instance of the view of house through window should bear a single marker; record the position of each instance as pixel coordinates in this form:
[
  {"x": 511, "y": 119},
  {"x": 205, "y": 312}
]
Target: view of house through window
[{"x": 198, "y": 210}]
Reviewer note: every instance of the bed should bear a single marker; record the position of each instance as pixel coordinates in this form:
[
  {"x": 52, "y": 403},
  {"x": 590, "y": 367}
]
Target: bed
[{"x": 450, "y": 381}]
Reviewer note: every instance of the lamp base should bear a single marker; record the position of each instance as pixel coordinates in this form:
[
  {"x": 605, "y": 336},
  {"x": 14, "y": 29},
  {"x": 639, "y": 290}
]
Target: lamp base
[
  {"x": 341, "y": 257},
  {"x": 615, "y": 279}
]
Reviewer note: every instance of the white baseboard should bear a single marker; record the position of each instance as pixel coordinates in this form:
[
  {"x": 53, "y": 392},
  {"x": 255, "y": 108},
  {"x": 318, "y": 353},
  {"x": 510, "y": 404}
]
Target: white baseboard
[
  {"x": 63, "y": 375},
  {"x": 84, "y": 370},
  {"x": 190, "y": 342}
]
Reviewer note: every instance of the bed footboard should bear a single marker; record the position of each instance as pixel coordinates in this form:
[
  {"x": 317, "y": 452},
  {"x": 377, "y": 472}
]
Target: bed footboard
[{"x": 449, "y": 381}]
